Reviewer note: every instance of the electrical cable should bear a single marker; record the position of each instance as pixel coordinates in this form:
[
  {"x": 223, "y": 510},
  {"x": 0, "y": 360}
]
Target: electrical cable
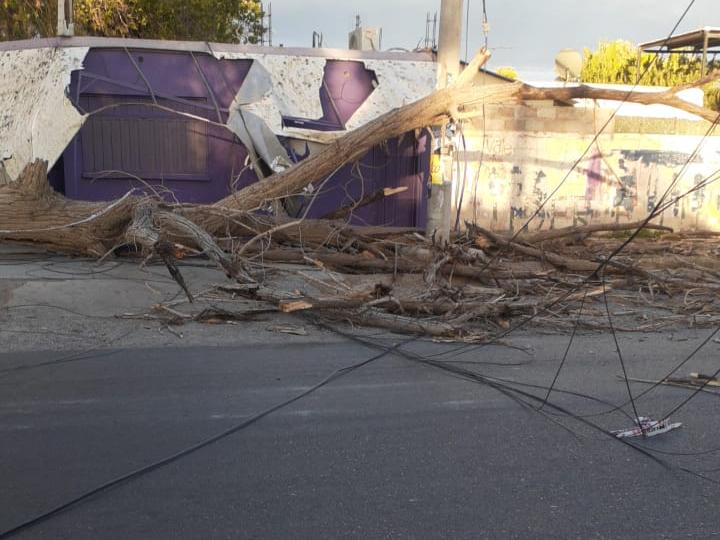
[
  {"x": 694, "y": 394},
  {"x": 615, "y": 408},
  {"x": 59, "y": 308},
  {"x": 701, "y": 476},
  {"x": 601, "y": 269},
  {"x": 500, "y": 387},
  {"x": 560, "y": 391},
  {"x": 441, "y": 365},
  {"x": 504, "y": 386},
  {"x": 76, "y": 357},
  {"x": 654, "y": 213},
  {"x": 675, "y": 453},
  {"x": 191, "y": 449},
  {"x": 470, "y": 348},
  {"x": 672, "y": 372}
]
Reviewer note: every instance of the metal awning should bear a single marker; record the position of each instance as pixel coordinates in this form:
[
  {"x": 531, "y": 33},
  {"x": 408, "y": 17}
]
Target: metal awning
[
  {"x": 703, "y": 41},
  {"x": 694, "y": 40}
]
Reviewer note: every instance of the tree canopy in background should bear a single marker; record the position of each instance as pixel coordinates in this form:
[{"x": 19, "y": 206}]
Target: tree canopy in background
[
  {"x": 617, "y": 62},
  {"x": 229, "y": 21}
]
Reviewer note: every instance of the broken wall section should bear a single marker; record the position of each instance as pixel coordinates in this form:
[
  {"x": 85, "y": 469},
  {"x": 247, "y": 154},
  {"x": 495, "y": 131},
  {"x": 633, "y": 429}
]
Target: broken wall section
[{"x": 37, "y": 120}]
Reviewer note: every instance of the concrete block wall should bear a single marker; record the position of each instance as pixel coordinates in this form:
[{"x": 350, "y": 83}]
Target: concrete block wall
[{"x": 518, "y": 154}]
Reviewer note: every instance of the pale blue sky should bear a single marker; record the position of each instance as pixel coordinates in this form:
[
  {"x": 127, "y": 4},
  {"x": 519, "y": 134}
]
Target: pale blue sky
[{"x": 523, "y": 33}]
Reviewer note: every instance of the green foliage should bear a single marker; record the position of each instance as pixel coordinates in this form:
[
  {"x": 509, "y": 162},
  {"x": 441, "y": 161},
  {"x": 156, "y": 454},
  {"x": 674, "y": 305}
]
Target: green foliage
[
  {"x": 224, "y": 21},
  {"x": 27, "y": 19},
  {"x": 228, "y": 21},
  {"x": 507, "y": 72},
  {"x": 616, "y": 62},
  {"x": 119, "y": 18}
]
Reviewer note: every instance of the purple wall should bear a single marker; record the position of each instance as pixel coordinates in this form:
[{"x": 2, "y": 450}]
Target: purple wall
[{"x": 200, "y": 162}]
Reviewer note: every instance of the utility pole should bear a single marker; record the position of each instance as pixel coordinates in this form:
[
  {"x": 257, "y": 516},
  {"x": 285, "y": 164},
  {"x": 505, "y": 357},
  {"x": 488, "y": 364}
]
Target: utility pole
[
  {"x": 65, "y": 24},
  {"x": 427, "y": 30},
  {"x": 448, "y": 68}
]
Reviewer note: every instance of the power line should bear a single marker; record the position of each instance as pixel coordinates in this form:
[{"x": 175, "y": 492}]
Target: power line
[
  {"x": 630, "y": 92},
  {"x": 467, "y": 29},
  {"x": 506, "y": 388}
]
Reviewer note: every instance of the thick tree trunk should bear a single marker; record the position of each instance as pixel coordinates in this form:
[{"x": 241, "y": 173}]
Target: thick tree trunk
[{"x": 31, "y": 212}]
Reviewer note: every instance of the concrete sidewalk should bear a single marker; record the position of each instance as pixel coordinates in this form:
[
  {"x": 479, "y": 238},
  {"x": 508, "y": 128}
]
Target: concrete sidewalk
[{"x": 49, "y": 302}]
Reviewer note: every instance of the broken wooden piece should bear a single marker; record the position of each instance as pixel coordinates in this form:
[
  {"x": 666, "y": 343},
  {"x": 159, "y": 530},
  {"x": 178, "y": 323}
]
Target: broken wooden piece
[
  {"x": 585, "y": 230},
  {"x": 379, "y": 195}
]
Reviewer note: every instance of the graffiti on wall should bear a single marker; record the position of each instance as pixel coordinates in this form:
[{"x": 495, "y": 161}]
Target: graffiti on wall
[{"x": 621, "y": 182}]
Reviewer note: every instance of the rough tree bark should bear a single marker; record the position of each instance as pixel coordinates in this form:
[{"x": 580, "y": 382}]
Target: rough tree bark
[{"x": 30, "y": 211}]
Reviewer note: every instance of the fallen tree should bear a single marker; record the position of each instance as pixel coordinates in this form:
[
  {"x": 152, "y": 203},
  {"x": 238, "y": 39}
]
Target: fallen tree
[{"x": 235, "y": 237}]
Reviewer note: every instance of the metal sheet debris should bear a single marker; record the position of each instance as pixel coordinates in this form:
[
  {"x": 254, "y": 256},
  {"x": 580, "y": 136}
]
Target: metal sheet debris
[{"x": 647, "y": 427}]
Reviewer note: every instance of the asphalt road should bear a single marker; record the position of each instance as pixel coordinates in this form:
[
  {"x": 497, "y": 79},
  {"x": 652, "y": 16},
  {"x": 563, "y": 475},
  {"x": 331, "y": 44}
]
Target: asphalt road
[{"x": 394, "y": 449}]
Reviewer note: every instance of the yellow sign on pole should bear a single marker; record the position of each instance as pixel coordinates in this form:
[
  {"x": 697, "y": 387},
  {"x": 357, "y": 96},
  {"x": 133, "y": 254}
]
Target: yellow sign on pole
[{"x": 436, "y": 177}]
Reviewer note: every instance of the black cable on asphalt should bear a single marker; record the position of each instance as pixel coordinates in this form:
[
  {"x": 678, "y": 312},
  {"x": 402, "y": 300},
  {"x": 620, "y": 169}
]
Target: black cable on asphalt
[
  {"x": 646, "y": 451},
  {"x": 678, "y": 453},
  {"x": 544, "y": 401},
  {"x": 562, "y": 391},
  {"x": 693, "y": 394},
  {"x": 567, "y": 350},
  {"x": 110, "y": 484},
  {"x": 620, "y": 355},
  {"x": 75, "y": 357},
  {"x": 674, "y": 370},
  {"x": 478, "y": 378}
]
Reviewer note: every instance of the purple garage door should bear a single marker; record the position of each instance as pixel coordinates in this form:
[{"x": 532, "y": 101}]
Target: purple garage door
[{"x": 135, "y": 134}]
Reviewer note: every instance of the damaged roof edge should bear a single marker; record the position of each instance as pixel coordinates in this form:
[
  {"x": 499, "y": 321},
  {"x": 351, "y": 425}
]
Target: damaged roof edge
[{"x": 210, "y": 48}]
